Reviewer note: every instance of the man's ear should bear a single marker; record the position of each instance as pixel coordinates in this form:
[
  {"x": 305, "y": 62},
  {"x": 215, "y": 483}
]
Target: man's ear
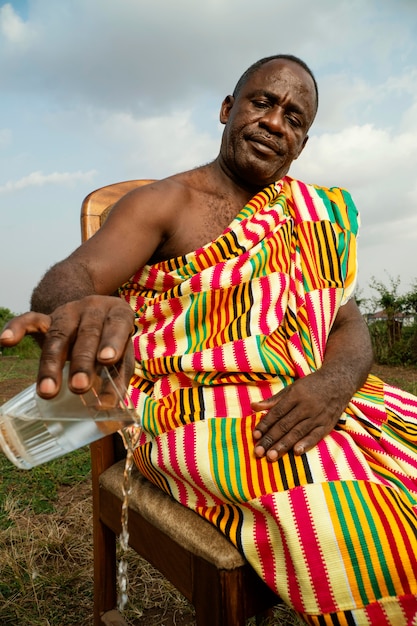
[{"x": 226, "y": 108}]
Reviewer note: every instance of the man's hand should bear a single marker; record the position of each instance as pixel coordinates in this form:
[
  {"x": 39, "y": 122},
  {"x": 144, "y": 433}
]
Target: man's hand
[
  {"x": 303, "y": 413},
  {"x": 90, "y": 332},
  {"x": 299, "y": 416}
]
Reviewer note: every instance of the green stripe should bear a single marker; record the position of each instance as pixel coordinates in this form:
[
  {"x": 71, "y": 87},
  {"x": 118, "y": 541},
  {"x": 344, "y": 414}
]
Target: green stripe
[
  {"x": 234, "y": 448},
  {"x": 261, "y": 352},
  {"x": 359, "y": 528},
  {"x": 352, "y": 211},
  {"x": 215, "y": 453},
  {"x": 387, "y": 475},
  {"x": 228, "y": 446},
  {"x": 276, "y": 364},
  {"x": 379, "y": 547},
  {"x": 349, "y": 542},
  {"x": 187, "y": 327}
]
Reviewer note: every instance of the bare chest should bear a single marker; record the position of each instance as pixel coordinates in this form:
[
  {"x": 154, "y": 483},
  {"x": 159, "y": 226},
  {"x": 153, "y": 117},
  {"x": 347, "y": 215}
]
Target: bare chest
[{"x": 198, "y": 225}]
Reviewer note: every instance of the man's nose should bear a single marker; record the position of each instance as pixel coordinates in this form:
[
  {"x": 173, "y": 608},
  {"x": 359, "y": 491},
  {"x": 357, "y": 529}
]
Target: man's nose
[{"x": 274, "y": 120}]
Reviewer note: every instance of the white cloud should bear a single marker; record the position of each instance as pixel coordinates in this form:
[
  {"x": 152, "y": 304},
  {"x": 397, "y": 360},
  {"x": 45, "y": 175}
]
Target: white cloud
[
  {"x": 376, "y": 164},
  {"x": 11, "y": 25},
  {"x": 14, "y": 30},
  {"x": 159, "y": 145},
  {"x": 129, "y": 55},
  {"x": 131, "y": 89},
  {"x": 38, "y": 179}
]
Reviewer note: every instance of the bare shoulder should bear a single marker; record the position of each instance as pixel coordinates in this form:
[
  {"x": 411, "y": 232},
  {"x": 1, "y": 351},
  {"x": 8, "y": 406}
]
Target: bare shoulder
[
  {"x": 171, "y": 217},
  {"x": 157, "y": 202}
]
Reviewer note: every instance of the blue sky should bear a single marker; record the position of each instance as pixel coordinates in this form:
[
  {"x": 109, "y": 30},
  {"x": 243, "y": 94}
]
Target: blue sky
[{"x": 96, "y": 91}]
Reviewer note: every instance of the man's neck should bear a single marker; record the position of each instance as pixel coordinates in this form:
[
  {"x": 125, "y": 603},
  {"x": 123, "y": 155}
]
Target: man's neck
[{"x": 231, "y": 184}]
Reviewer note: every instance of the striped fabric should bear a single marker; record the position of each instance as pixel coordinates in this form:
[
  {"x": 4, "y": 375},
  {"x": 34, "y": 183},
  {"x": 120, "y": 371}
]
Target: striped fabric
[{"x": 334, "y": 531}]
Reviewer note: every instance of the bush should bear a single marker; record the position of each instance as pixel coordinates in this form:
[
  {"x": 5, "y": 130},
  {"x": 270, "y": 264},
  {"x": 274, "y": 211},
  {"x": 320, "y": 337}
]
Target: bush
[
  {"x": 401, "y": 352},
  {"x": 26, "y": 349}
]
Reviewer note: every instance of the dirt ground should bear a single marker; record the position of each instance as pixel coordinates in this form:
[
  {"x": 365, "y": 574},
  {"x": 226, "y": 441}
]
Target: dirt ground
[
  {"x": 397, "y": 375},
  {"x": 9, "y": 388}
]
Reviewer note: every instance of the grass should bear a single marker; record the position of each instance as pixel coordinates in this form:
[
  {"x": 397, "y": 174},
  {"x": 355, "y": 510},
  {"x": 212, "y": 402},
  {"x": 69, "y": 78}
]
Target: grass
[
  {"x": 45, "y": 563},
  {"x": 398, "y": 375},
  {"x": 46, "y": 574}
]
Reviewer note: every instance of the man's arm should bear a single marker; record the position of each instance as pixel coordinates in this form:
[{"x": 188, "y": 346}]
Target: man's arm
[
  {"x": 73, "y": 311},
  {"x": 64, "y": 282},
  {"x": 129, "y": 237},
  {"x": 300, "y": 415}
]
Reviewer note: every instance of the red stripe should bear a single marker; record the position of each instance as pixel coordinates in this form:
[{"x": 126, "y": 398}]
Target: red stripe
[
  {"x": 241, "y": 356},
  {"x": 220, "y": 409},
  {"x": 218, "y": 359},
  {"x": 308, "y": 201},
  {"x": 327, "y": 462},
  {"x": 264, "y": 548},
  {"x": 388, "y": 505},
  {"x": 376, "y": 615},
  {"x": 247, "y": 448},
  {"x": 266, "y": 300},
  {"x": 319, "y": 577}
]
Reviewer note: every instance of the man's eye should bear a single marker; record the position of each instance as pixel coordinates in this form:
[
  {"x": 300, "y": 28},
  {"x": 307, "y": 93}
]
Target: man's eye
[
  {"x": 294, "y": 121},
  {"x": 260, "y": 104}
]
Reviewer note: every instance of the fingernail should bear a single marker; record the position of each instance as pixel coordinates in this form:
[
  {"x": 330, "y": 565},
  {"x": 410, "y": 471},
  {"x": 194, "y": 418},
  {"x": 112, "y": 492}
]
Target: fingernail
[
  {"x": 47, "y": 386},
  {"x": 257, "y": 434},
  {"x": 6, "y": 334},
  {"x": 272, "y": 455},
  {"x": 79, "y": 380},
  {"x": 259, "y": 451},
  {"x": 107, "y": 353}
]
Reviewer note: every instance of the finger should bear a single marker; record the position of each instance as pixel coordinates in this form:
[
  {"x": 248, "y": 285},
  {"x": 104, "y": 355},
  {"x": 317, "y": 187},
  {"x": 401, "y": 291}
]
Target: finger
[
  {"x": 268, "y": 403},
  {"x": 113, "y": 392},
  {"x": 25, "y": 324},
  {"x": 282, "y": 437},
  {"x": 311, "y": 440},
  {"x": 103, "y": 336},
  {"x": 116, "y": 334},
  {"x": 84, "y": 332},
  {"x": 278, "y": 406},
  {"x": 262, "y": 405},
  {"x": 56, "y": 349},
  {"x": 116, "y": 380},
  {"x": 300, "y": 439}
]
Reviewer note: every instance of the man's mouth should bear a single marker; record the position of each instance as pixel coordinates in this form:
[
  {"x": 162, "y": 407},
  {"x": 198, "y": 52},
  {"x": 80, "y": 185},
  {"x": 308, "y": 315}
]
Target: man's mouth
[{"x": 265, "y": 145}]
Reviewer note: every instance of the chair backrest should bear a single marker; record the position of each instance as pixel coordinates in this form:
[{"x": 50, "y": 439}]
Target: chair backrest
[{"x": 97, "y": 205}]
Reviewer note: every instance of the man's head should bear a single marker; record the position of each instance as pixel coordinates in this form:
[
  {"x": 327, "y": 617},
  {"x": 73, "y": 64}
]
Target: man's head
[
  {"x": 267, "y": 120},
  {"x": 288, "y": 57}
]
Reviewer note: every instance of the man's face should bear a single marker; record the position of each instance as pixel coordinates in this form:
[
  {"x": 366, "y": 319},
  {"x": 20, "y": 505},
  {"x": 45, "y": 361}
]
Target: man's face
[{"x": 267, "y": 123}]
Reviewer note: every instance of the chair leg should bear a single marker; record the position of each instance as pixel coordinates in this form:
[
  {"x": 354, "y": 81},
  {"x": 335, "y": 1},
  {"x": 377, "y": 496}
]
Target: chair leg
[
  {"x": 217, "y": 596},
  {"x": 104, "y": 540},
  {"x": 265, "y": 618},
  {"x": 105, "y": 589}
]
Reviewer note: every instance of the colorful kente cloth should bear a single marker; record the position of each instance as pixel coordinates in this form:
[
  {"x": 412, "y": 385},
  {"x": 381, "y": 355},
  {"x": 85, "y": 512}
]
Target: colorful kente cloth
[{"x": 334, "y": 531}]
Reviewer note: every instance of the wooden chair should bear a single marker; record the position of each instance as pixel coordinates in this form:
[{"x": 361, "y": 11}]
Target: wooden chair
[{"x": 196, "y": 558}]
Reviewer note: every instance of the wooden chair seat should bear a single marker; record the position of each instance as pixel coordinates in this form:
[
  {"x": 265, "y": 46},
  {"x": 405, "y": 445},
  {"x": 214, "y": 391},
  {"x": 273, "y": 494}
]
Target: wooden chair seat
[{"x": 180, "y": 524}]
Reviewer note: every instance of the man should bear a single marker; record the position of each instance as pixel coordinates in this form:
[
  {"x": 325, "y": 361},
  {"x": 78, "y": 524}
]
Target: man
[{"x": 242, "y": 280}]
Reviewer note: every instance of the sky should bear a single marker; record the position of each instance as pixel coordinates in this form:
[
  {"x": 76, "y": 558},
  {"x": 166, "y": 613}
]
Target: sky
[{"x": 98, "y": 91}]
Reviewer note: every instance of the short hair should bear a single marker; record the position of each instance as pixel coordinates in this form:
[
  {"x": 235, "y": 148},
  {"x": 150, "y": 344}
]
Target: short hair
[{"x": 288, "y": 57}]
